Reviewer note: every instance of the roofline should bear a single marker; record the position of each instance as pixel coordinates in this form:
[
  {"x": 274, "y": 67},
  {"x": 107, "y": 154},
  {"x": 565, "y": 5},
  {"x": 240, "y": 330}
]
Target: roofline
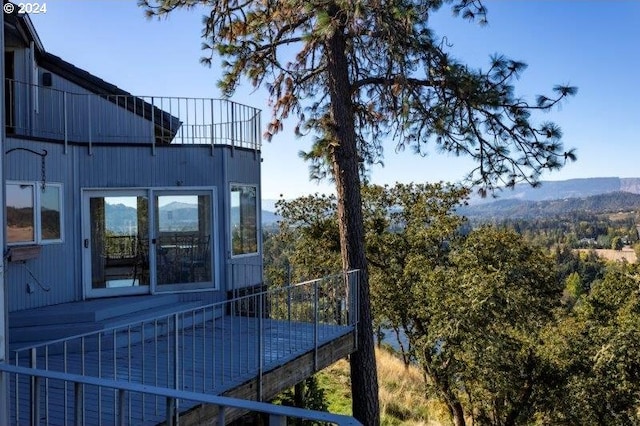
[
  {"x": 91, "y": 82},
  {"x": 33, "y": 33}
]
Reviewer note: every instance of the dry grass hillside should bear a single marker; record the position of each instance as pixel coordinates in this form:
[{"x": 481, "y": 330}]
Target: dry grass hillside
[
  {"x": 402, "y": 396},
  {"x": 626, "y": 253}
]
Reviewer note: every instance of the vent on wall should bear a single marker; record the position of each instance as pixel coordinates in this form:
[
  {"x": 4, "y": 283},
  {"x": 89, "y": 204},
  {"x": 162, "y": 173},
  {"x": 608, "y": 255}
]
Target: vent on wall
[{"x": 47, "y": 79}]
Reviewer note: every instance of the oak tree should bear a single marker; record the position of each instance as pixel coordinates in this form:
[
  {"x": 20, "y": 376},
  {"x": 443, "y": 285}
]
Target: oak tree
[
  {"x": 356, "y": 73},
  {"x": 468, "y": 306},
  {"x": 477, "y": 322},
  {"x": 596, "y": 352}
]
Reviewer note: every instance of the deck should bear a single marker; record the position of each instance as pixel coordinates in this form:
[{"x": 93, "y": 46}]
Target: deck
[
  {"x": 209, "y": 366},
  {"x": 251, "y": 348}
]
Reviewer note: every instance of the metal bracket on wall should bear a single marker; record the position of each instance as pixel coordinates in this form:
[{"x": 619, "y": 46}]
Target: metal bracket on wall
[
  {"x": 42, "y": 286},
  {"x": 42, "y": 155}
]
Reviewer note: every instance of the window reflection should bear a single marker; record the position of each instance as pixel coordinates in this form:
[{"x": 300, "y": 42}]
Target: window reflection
[
  {"x": 244, "y": 219},
  {"x": 184, "y": 239},
  {"x": 50, "y": 213},
  {"x": 28, "y": 205},
  {"x": 20, "y": 213}
]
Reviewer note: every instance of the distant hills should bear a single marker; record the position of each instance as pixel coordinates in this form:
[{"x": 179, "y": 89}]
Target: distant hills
[
  {"x": 611, "y": 202},
  {"x": 122, "y": 219},
  {"x": 554, "y": 198},
  {"x": 562, "y": 189},
  {"x": 551, "y": 198}
]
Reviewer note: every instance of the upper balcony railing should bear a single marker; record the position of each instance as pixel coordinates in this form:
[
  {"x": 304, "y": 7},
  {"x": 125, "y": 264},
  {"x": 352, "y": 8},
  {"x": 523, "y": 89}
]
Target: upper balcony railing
[{"x": 41, "y": 112}]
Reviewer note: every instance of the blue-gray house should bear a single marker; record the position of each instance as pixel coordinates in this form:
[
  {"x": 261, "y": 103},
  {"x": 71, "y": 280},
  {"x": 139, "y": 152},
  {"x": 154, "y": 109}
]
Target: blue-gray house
[
  {"x": 133, "y": 256},
  {"x": 110, "y": 194}
]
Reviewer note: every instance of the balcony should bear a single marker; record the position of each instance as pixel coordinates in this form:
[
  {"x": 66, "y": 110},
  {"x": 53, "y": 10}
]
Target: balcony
[
  {"x": 166, "y": 367},
  {"x": 45, "y": 113}
]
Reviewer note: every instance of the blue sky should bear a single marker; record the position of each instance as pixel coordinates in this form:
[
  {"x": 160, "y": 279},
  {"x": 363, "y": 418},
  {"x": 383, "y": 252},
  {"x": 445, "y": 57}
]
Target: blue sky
[{"x": 589, "y": 44}]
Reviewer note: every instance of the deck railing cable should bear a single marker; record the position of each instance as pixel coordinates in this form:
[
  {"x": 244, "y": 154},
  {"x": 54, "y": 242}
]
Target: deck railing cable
[
  {"x": 208, "y": 350},
  {"x": 125, "y": 390}
]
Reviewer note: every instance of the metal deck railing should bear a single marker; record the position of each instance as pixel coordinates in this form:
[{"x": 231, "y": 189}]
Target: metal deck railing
[
  {"x": 206, "y": 350},
  {"x": 124, "y": 390},
  {"x": 70, "y": 117}
]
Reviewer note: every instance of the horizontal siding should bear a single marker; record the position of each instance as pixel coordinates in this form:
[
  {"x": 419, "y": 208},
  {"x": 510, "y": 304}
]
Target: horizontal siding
[{"x": 59, "y": 266}]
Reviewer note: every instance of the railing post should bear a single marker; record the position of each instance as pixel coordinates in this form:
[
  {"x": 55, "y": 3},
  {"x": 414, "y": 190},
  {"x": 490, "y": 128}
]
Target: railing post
[
  {"x": 171, "y": 410},
  {"x": 277, "y": 420},
  {"x": 221, "y": 415},
  {"x": 78, "y": 389},
  {"x": 289, "y": 304},
  {"x": 35, "y": 402},
  {"x": 120, "y": 408},
  {"x": 172, "y": 403},
  {"x": 176, "y": 347},
  {"x": 233, "y": 126},
  {"x": 261, "y": 353},
  {"x": 35, "y": 389},
  {"x": 315, "y": 325},
  {"x": 89, "y": 121},
  {"x": 4, "y": 394},
  {"x": 153, "y": 127},
  {"x": 183, "y": 124},
  {"x": 213, "y": 139},
  {"x": 66, "y": 123},
  {"x": 288, "y": 284}
]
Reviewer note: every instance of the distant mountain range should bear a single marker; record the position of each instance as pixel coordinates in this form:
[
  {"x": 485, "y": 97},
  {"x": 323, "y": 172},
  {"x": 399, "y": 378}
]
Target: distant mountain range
[
  {"x": 526, "y": 201},
  {"x": 611, "y": 202},
  {"x": 549, "y": 199},
  {"x": 123, "y": 220},
  {"x": 553, "y": 198},
  {"x": 562, "y": 189}
]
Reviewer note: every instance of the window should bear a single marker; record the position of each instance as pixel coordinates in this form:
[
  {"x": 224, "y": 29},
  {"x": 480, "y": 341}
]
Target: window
[
  {"x": 184, "y": 240},
  {"x": 244, "y": 219},
  {"x": 33, "y": 216}
]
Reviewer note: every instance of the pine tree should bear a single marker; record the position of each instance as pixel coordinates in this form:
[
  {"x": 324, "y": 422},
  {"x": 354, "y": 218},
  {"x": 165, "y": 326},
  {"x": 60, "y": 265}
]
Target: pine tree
[{"x": 358, "y": 72}]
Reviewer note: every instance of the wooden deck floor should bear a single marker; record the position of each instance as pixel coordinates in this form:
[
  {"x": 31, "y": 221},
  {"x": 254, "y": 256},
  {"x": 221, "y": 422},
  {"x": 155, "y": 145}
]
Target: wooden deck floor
[{"x": 216, "y": 356}]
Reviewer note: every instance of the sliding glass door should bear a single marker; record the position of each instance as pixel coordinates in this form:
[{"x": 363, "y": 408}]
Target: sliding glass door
[
  {"x": 116, "y": 243},
  {"x": 147, "y": 240},
  {"x": 183, "y": 240}
]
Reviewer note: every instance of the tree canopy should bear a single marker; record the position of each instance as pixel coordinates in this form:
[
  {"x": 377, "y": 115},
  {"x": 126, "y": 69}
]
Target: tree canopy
[
  {"x": 467, "y": 306},
  {"x": 400, "y": 83}
]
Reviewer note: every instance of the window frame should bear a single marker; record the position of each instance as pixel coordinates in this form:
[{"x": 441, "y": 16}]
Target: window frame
[
  {"x": 258, "y": 221},
  {"x": 214, "y": 283},
  {"x": 37, "y": 212}
]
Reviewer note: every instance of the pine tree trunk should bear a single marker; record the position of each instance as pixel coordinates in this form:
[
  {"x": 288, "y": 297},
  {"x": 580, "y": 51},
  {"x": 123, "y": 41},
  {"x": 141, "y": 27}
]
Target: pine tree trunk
[
  {"x": 458, "y": 414},
  {"x": 345, "y": 162}
]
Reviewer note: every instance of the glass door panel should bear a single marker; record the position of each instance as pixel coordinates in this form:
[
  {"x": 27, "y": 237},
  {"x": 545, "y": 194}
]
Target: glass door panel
[
  {"x": 118, "y": 244},
  {"x": 183, "y": 240}
]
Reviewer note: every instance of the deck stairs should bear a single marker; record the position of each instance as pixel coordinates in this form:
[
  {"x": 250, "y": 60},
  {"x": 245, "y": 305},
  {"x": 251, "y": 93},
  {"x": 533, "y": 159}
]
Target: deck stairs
[{"x": 70, "y": 319}]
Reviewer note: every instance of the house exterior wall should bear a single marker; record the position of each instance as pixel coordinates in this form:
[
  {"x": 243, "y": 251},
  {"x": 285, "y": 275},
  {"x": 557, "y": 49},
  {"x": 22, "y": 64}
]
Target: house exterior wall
[
  {"x": 245, "y": 270},
  {"x": 40, "y": 112},
  {"x": 22, "y": 72},
  {"x": 59, "y": 265}
]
